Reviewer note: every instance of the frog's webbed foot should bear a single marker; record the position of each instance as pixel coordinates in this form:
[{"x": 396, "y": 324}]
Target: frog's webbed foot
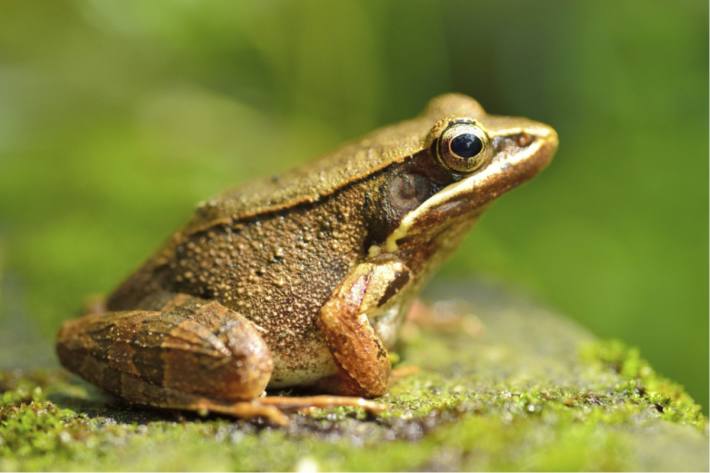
[
  {"x": 448, "y": 316},
  {"x": 300, "y": 403},
  {"x": 241, "y": 410},
  {"x": 358, "y": 351},
  {"x": 274, "y": 408}
]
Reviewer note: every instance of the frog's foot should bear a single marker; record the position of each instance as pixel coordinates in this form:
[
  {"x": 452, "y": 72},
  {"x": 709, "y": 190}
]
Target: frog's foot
[
  {"x": 446, "y": 316},
  {"x": 241, "y": 410},
  {"x": 274, "y": 408},
  {"x": 299, "y": 403},
  {"x": 403, "y": 372}
]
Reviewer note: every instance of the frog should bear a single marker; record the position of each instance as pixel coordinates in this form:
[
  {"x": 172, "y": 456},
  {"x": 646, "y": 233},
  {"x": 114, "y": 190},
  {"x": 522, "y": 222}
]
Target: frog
[{"x": 303, "y": 280}]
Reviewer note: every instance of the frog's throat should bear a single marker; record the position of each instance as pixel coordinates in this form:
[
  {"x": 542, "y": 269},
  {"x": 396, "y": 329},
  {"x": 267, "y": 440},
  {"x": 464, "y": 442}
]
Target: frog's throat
[{"x": 506, "y": 171}]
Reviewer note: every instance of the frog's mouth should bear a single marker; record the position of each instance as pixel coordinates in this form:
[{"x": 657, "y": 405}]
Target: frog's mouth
[{"x": 521, "y": 152}]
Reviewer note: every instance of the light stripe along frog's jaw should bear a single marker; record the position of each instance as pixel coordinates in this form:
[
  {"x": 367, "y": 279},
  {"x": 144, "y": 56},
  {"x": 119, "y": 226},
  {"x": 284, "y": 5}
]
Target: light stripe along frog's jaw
[{"x": 522, "y": 149}]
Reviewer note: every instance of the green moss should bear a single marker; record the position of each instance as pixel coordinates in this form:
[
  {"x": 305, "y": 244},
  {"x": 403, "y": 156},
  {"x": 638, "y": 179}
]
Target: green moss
[
  {"x": 642, "y": 386},
  {"x": 531, "y": 392}
]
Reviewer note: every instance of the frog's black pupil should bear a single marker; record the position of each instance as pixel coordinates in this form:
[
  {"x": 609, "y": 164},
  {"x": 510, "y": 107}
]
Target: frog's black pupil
[{"x": 466, "y": 145}]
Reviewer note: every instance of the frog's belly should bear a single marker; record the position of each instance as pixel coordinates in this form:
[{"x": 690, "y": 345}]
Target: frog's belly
[{"x": 311, "y": 362}]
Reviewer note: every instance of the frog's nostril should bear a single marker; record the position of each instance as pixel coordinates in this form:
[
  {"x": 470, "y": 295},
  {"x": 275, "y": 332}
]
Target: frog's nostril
[
  {"x": 512, "y": 142},
  {"x": 524, "y": 139}
]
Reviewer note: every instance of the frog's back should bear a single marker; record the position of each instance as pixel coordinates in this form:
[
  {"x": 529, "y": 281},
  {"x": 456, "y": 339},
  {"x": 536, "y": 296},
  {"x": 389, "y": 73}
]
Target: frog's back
[
  {"x": 331, "y": 172},
  {"x": 303, "y": 185}
]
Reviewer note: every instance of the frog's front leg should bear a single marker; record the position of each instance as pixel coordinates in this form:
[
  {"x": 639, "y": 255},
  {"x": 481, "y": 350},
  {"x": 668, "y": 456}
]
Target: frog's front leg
[{"x": 358, "y": 351}]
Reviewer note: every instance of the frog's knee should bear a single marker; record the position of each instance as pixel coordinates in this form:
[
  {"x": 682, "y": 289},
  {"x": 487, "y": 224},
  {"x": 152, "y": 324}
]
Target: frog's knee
[
  {"x": 250, "y": 366},
  {"x": 229, "y": 362}
]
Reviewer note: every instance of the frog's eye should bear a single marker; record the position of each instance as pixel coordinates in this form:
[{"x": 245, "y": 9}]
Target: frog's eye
[{"x": 463, "y": 147}]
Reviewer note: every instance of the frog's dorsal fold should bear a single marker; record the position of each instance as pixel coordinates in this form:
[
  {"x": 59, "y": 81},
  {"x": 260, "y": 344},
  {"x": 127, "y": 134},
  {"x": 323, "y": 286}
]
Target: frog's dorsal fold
[{"x": 326, "y": 175}]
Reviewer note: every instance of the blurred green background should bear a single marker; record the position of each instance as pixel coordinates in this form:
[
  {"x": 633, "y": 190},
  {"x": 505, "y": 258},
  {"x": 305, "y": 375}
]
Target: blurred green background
[{"x": 117, "y": 117}]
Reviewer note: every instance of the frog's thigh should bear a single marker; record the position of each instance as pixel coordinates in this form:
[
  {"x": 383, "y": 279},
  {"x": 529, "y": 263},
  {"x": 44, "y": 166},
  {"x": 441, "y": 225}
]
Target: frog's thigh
[
  {"x": 190, "y": 352},
  {"x": 358, "y": 351}
]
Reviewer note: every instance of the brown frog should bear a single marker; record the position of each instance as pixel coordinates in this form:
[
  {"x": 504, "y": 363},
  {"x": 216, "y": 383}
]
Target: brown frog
[{"x": 304, "y": 279}]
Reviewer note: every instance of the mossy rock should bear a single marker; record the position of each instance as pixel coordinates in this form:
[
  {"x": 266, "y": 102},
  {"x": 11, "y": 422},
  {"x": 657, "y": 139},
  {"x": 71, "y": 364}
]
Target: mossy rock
[{"x": 501, "y": 385}]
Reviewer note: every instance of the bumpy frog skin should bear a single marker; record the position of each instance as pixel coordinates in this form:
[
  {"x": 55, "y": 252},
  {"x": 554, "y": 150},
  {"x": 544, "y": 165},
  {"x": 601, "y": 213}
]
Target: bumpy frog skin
[{"x": 304, "y": 279}]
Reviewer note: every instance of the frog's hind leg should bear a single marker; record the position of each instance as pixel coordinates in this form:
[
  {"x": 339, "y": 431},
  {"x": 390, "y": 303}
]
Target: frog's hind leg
[{"x": 191, "y": 354}]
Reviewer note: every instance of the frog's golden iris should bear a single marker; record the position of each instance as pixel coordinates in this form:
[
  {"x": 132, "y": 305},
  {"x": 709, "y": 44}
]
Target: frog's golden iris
[{"x": 463, "y": 146}]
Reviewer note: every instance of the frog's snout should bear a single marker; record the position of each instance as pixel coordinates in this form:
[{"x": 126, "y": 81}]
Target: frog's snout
[
  {"x": 523, "y": 149},
  {"x": 544, "y": 140}
]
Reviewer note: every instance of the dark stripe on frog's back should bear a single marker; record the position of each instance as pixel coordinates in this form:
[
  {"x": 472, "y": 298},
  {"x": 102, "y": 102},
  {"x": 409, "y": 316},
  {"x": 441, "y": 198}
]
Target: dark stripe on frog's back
[
  {"x": 318, "y": 179},
  {"x": 332, "y": 172}
]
